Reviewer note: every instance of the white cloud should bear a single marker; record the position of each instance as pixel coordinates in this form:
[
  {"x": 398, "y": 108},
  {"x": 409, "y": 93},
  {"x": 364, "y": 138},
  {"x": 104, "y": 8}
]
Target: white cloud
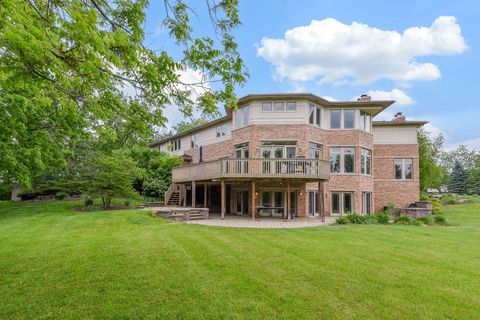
[
  {"x": 434, "y": 131},
  {"x": 401, "y": 97},
  {"x": 473, "y": 143},
  {"x": 337, "y": 53}
]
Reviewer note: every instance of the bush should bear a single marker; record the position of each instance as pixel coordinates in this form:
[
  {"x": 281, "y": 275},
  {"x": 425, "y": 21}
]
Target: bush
[
  {"x": 449, "y": 199},
  {"x": 126, "y": 203},
  {"x": 391, "y": 208},
  {"x": 382, "y": 218},
  {"x": 371, "y": 219},
  {"x": 88, "y": 202},
  {"x": 342, "y": 220},
  {"x": 416, "y": 223},
  {"x": 403, "y": 220},
  {"x": 61, "y": 195},
  {"x": 356, "y": 218},
  {"x": 436, "y": 205},
  {"x": 424, "y": 197},
  {"x": 439, "y": 219},
  {"x": 425, "y": 220}
]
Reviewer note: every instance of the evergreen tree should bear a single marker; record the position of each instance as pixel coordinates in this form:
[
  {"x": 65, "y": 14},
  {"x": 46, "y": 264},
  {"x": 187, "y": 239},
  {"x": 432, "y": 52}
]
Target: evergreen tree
[{"x": 458, "y": 179}]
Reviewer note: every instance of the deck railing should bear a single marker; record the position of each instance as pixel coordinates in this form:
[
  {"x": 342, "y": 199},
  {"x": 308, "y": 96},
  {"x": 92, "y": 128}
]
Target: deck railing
[{"x": 253, "y": 168}]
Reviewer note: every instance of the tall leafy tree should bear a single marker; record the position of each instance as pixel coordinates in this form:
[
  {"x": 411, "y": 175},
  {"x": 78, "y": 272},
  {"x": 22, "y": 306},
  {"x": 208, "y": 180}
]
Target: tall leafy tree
[
  {"x": 432, "y": 174},
  {"x": 458, "y": 179},
  {"x": 66, "y": 67},
  {"x": 473, "y": 186}
]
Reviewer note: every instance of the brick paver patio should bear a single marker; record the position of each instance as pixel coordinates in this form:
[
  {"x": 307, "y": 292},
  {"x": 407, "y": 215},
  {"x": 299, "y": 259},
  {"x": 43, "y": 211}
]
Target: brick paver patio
[{"x": 262, "y": 223}]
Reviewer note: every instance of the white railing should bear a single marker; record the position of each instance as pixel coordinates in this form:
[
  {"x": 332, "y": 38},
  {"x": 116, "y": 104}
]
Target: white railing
[{"x": 253, "y": 168}]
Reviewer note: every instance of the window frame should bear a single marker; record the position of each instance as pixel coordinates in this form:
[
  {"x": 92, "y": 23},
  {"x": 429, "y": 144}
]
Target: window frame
[
  {"x": 366, "y": 154},
  {"x": 365, "y": 118},
  {"x": 342, "y": 154},
  {"x": 194, "y": 140},
  {"x": 341, "y": 202},
  {"x": 403, "y": 163},
  {"x": 314, "y": 115},
  {"x": 314, "y": 148}
]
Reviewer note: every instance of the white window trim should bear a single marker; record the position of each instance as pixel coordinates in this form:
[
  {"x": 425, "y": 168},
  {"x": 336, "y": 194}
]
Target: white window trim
[
  {"x": 364, "y": 202},
  {"x": 342, "y": 159},
  {"x": 371, "y": 161},
  {"x": 341, "y": 211},
  {"x": 403, "y": 169},
  {"x": 284, "y": 107},
  {"x": 316, "y": 110},
  {"x": 342, "y": 119}
]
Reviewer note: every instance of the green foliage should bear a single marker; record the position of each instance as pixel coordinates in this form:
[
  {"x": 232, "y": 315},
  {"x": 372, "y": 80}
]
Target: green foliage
[
  {"x": 403, "y": 220},
  {"x": 159, "y": 175},
  {"x": 5, "y": 191},
  {"x": 458, "y": 179},
  {"x": 88, "y": 202},
  {"x": 111, "y": 176},
  {"x": 342, "y": 220},
  {"x": 61, "y": 195},
  {"x": 127, "y": 202},
  {"x": 439, "y": 219},
  {"x": 391, "y": 208},
  {"x": 382, "y": 218},
  {"x": 473, "y": 185},
  {"x": 432, "y": 174},
  {"x": 424, "y": 220},
  {"x": 416, "y": 223},
  {"x": 71, "y": 70},
  {"x": 436, "y": 205},
  {"x": 449, "y": 199},
  {"x": 424, "y": 197},
  {"x": 355, "y": 218}
]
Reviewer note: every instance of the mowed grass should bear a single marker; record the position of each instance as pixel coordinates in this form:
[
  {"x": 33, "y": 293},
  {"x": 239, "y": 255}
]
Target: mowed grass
[{"x": 58, "y": 263}]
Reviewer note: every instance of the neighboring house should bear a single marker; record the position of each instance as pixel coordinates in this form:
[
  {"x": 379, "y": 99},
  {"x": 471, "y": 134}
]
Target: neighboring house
[{"x": 297, "y": 153}]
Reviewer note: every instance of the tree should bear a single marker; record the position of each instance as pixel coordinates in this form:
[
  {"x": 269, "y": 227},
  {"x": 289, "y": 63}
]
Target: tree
[
  {"x": 185, "y": 125},
  {"x": 458, "y": 179},
  {"x": 461, "y": 154},
  {"x": 73, "y": 68},
  {"x": 473, "y": 186},
  {"x": 111, "y": 176},
  {"x": 159, "y": 175},
  {"x": 432, "y": 174}
]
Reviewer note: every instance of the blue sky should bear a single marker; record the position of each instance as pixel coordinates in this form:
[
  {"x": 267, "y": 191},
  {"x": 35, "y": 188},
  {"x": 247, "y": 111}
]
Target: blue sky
[{"x": 341, "y": 49}]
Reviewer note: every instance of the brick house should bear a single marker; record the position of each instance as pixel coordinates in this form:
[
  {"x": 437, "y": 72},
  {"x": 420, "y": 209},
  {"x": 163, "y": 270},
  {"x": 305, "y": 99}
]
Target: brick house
[{"x": 286, "y": 155}]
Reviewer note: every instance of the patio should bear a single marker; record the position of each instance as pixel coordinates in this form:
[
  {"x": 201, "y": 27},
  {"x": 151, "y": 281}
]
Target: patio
[{"x": 232, "y": 221}]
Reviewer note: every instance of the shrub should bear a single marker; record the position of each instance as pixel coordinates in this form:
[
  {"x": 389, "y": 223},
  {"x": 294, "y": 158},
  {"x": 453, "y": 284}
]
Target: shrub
[
  {"x": 424, "y": 197},
  {"x": 371, "y": 219},
  {"x": 126, "y": 203},
  {"x": 416, "y": 223},
  {"x": 391, "y": 208},
  {"x": 425, "y": 220},
  {"x": 88, "y": 202},
  {"x": 439, "y": 219},
  {"x": 449, "y": 199},
  {"x": 403, "y": 220},
  {"x": 382, "y": 218},
  {"x": 61, "y": 195},
  {"x": 342, "y": 220},
  {"x": 356, "y": 218},
  {"x": 436, "y": 205}
]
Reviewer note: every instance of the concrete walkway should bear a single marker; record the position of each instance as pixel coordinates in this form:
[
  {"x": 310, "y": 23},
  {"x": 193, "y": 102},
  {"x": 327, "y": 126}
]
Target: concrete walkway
[{"x": 262, "y": 223}]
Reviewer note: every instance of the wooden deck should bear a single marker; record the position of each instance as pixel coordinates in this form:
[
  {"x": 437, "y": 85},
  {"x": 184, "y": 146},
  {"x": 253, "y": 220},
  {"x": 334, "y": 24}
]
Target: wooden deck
[{"x": 247, "y": 169}]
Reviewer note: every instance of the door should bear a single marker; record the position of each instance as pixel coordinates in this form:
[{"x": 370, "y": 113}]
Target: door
[
  {"x": 242, "y": 202},
  {"x": 241, "y": 165}
]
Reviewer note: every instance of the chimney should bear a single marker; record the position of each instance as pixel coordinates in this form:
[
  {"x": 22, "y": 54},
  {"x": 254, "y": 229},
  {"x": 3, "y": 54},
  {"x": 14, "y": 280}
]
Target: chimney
[
  {"x": 364, "y": 97},
  {"x": 399, "y": 117}
]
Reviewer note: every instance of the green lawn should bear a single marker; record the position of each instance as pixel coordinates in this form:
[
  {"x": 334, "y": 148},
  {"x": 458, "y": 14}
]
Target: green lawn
[{"x": 57, "y": 263}]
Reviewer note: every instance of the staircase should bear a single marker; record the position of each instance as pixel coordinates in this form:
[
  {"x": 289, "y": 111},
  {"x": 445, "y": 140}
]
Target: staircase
[{"x": 175, "y": 195}]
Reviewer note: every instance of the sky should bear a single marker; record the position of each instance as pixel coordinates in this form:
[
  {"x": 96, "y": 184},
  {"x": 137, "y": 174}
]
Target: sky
[{"x": 425, "y": 54}]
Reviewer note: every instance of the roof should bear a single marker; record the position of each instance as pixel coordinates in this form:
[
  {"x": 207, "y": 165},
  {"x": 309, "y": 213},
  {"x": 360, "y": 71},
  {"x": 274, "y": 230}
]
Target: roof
[
  {"x": 405, "y": 123},
  {"x": 374, "y": 107}
]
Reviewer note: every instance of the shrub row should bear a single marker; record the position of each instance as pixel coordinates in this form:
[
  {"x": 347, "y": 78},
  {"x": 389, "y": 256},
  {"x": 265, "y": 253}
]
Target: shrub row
[
  {"x": 379, "y": 218},
  {"x": 425, "y": 220}
]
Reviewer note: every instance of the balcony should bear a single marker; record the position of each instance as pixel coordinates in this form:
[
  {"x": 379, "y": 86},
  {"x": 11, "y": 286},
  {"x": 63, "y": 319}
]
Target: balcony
[{"x": 246, "y": 169}]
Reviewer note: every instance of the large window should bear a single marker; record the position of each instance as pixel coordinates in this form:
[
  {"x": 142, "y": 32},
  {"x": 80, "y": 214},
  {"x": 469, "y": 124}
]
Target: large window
[
  {"x": 342, "y": 202},
  {"x": 315, "y": 115},
  {"x": 242, "y": 117},
  {"x": 365, "y": 121},
  {"x": 342, "y": 119},
  {"x": 312, "y": 202},
  {"x": 366, "y": 202},
  {"x": 342, "y": 159},
  {"x": 291, "y": 106},
  {"x": 176, "y": 144},
  {"x": 193, "y": 140},
  {"x": 366, "y": 161},
  {"x": 314, "y": 150},
  {"x": 404, "y": 169},
  {"x": 222, "y": 130}
]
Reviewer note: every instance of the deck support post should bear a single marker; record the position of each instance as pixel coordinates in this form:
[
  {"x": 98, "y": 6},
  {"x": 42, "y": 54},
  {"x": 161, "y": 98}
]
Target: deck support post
[
  {"x": 194, "y": 196},
  {"x": 289, "y": 201},
  {"x": 205, "y": 195},
  {"x": 320, "y": 201},
  {"x": 253, "y": 199},
  {"x": 222, "y": 201}
]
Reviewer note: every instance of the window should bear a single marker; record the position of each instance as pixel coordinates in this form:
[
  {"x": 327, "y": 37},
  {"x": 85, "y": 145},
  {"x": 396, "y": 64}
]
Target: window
[
  {"x": 291, "y": 106},
  {"x": 404, "y": 169},
  {"x": 335, "y": 117},
  {"x": 365, "y": 121},
  {"x": 266, "y": 199},
  {"x": 222, "y": 130},
  {"x": 342, "y": 202},
  {"x": 176, "y": 144},
  {"x": 366, "y": 161},
  {"x": 242, "y": 117},
  {"x": 314, "y": 115},
  {"x": 348, "y": 119},
  {"x": 342, "y": 160},
  {"x": 266, "y": 106},
  {"x": 279, "y": 106},
  {"x": 314, "y": 150},
  {"x": 366, "y": 202},
  {"x": 312, "y": 202},
  {"x": 194, "y": 139}
]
